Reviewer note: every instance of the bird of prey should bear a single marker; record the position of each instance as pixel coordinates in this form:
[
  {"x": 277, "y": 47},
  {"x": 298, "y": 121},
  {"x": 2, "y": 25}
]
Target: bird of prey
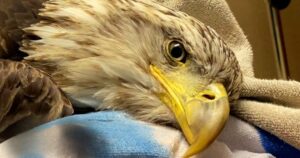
[{"x": 157, "y": 64}]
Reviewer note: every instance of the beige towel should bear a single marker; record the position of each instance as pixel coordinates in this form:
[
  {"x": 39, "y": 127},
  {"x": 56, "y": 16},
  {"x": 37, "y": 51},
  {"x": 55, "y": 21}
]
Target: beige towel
[{"x": 273, "y": 105}]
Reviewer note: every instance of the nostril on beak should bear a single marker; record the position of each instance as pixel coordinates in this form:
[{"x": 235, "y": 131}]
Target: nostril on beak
[{"x": 209, "y": 96}]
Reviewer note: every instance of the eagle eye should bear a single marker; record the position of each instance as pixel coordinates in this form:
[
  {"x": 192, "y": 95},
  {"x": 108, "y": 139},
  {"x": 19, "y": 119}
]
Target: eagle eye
[{"x": 177, "y": 51}]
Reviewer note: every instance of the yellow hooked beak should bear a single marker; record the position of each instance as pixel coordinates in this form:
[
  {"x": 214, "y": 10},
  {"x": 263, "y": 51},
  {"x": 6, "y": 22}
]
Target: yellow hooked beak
[{"x": 201, "y": 116}]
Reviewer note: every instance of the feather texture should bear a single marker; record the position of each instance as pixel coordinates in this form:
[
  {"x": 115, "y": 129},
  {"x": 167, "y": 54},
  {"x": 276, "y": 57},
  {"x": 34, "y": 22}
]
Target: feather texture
[
  {"x": 27, "y": 92},
  {"x": 14, "y": 16}
]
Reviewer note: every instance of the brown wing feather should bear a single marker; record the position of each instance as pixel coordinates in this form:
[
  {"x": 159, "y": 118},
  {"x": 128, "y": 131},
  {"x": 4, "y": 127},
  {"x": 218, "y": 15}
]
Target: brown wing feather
[
  {"x": 15, "y": 15},
  {"x": 26, "y": 91}
]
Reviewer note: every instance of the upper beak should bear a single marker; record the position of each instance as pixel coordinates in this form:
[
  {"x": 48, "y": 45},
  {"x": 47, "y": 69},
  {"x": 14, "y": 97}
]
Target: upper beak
[{"x": 201, "y": 117}]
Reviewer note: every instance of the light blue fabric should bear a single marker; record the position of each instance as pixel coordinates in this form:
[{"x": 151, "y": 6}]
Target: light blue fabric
[
  {"x": 116, "y": 134},
  {"x": 101, "y": 134}
]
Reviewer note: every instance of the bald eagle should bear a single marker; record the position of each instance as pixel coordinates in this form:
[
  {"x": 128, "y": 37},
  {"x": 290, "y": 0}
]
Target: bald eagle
[{"x": 157, "y": 64}]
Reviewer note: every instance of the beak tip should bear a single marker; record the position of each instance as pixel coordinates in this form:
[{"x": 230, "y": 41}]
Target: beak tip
[{"x": 201, "y": 117}]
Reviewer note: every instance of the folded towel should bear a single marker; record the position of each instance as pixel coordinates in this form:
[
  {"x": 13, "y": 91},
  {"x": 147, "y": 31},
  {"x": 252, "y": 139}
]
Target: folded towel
[
  {"x": 272, "y": 105},
  {"x": 116, "y": 134},
  {"x": 278, "y": 109}
]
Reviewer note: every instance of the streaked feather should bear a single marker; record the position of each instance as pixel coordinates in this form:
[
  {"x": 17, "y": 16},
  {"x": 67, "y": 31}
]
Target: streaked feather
[{"x": 26, "y": 92}]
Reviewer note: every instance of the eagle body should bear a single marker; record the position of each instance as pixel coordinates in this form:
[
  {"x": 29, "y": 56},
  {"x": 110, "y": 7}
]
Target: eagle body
[{"x": 100, "y": 52}]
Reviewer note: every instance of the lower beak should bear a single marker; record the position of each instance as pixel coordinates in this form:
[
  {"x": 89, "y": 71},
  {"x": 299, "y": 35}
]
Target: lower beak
[{"x": 201, "y": 117}]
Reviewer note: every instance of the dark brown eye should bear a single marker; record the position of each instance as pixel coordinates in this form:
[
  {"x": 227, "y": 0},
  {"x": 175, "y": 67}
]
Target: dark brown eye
[{"x": 177, "y": 52}]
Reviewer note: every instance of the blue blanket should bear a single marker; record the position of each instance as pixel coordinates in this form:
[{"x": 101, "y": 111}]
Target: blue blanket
[{"x": 115, "y": 134}]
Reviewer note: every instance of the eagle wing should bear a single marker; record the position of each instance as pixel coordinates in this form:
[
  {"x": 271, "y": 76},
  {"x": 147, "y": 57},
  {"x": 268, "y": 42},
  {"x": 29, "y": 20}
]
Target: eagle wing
[{"x": 26, "y": 91}]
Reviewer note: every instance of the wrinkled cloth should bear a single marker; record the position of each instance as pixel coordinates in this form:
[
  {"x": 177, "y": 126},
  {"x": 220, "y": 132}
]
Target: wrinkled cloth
[
  {"x": 116, "y": 134},
  {"x": 273, "y": 105}
]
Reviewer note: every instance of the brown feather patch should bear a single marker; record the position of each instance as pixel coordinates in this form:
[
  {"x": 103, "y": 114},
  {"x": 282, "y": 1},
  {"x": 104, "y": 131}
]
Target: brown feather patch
[{"x": 25, "y": 92}]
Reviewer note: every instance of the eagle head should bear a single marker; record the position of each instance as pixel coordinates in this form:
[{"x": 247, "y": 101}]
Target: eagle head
[{"x": 157, "y": 64}]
